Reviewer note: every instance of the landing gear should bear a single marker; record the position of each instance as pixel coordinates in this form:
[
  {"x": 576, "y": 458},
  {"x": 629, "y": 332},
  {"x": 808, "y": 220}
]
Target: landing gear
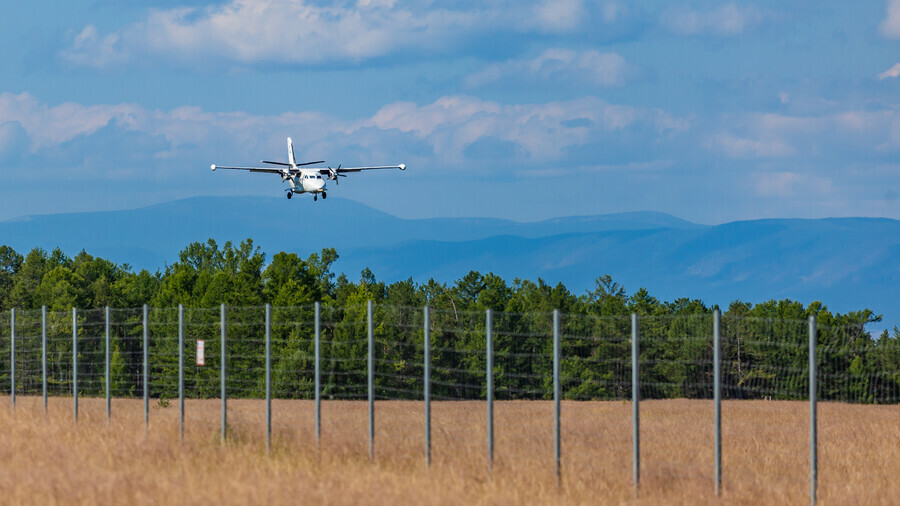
[
  {"x": 324, "y": 195},
  {"x": 315, "y": 198},
  {"x": 289, "y": 195}
]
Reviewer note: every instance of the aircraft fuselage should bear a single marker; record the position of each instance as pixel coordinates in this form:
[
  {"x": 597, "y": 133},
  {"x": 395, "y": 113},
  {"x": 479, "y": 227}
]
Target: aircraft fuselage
[{"x": 307, "y": 182}]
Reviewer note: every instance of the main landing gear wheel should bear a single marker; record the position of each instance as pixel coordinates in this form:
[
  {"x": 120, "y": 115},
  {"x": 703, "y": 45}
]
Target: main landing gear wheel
[
  {"x": 289, "y": 195},
  {"x": 324, "y": 195},
  {"x": 315, "y": 198}
]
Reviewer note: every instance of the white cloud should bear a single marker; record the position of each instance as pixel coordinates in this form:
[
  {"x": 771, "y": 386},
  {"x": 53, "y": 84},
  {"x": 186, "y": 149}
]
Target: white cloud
[
  {"x": 852, "y": 134},
  {"x": 563, "y": 66},
  {"x": 789, "y": 184},
  {"x": 891, "y": 72},
  {"x": 890, "y": 27},
  {"x": 743, "y": 147},
  {"x": 279, "y": 31},
  {"x": 560, "y": 15},
  {"x": 725, "y": 20},
  {"x": 447, "y": 126},
  {"x": 90, "y": 49},
  {"x": 305, "y": 32},
  {"x": 48, "y": 126},
  {"x": 450, "y": 124}
]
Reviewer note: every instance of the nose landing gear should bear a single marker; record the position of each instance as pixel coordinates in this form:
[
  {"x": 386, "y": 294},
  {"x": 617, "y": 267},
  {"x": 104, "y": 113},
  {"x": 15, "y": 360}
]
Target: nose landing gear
[
  {"x": 324, "y": 195},
  {"x": 289, "y": 195},
  {"x": 315, "y": 198}
]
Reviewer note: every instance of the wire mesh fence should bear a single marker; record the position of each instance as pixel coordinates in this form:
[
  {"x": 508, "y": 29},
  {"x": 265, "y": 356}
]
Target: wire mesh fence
[{"x": 373, "y": 352}]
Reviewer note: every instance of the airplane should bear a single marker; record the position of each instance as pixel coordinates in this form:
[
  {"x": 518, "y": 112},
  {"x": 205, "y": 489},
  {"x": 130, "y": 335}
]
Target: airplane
[{"x": 305, "y": 180}]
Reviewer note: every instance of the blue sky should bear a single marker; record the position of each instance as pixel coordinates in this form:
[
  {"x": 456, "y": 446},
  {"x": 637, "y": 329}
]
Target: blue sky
[{"x": 711, "y": 111}]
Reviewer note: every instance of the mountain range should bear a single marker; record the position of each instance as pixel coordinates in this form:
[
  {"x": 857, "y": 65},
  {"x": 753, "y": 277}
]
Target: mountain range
[{"x": 848, "y": 263}]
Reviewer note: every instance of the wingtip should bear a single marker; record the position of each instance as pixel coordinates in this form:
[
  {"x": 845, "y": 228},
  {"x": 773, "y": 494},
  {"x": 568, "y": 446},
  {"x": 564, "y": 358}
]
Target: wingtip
[
  {"x": 402, "y": 166},
  {"x": 212, "y": 167}
]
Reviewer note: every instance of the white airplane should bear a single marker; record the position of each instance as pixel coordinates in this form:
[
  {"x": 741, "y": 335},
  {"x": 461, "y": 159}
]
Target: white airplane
[{"x": 306, "y": 180}]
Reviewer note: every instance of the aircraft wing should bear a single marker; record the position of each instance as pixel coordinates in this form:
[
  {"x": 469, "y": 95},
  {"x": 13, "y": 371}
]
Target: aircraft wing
[
  {"x": 341, "y": 170},
  {"x": 271, "y": 170}
]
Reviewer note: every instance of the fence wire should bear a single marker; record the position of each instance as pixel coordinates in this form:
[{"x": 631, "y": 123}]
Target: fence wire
[{"x": 760, "y": 359}]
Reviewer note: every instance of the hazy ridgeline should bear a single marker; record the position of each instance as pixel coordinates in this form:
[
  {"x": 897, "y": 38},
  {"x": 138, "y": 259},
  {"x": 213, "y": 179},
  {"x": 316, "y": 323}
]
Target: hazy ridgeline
[{"x": 764, "y": 345}]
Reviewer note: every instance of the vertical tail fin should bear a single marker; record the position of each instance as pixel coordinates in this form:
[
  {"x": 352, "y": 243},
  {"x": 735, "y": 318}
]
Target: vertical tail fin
[{"x": 291, "y": 153}]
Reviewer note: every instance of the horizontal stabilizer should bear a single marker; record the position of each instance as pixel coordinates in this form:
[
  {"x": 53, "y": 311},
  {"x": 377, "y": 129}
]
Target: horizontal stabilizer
[{"x": 288, "y": 165}]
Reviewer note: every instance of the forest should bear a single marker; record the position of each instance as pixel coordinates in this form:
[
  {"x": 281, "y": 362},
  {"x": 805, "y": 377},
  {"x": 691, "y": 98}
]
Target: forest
[{"x": 764, "y": 345}]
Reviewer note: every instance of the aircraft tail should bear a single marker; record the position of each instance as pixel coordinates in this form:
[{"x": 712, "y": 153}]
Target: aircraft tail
[{"x": 291, "y": 153}]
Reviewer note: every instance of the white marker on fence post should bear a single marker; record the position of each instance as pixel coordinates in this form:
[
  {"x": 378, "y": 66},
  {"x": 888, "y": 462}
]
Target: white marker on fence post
[
  {"x": 489, "y": 372},
  {"x": 318, "y": 359},
  {"x": 146, "y": 368},
  {"x": 371, "y": 332},
  {"x": 268, "y": 378},
  {"x": 108, "y": 368},
  {"x": 44, "y": 356},
  {"x": 181, "y": 371},
  {"x": 75, "y": 363},
  {"x": 717, "y": 394},
  {"x": 426, "y": 344},
  {"x": 12, "y": 357},
  {"x": 813, "y": 426},
  {"x": 635, "y": 400},
  {"x": 222, "y": 375},
  {"x": 201, "y": 352}
]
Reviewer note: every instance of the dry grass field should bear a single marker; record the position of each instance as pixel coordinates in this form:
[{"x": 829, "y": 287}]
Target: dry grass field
[{"x": 55, "y": 461}]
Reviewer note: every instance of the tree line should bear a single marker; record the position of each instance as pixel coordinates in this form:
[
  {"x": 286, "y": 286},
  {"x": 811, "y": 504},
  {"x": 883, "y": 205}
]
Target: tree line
[{"x": 764, "y": 345}]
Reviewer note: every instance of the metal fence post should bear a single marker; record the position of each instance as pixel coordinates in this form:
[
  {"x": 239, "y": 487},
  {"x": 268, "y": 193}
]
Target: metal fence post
[
  {"x": 108, "y": 370},
  {"x": 146, "y": 368},
  {"x": 426, "y": 344},
  {"x": 635, "y": 400},
  {"x": 268, "y": 378},
  {"x": 75, "y": 363},
  {"x": 557, "y": 391},
  {"x": 222, "y": 373},
  {"x": 44, "y": 356},
  {"x": 12, "y": 358},
  {"x": 318, "y": 359},
  {"x": 489, "y": 372},
  {"x": 717, "y": 395},
  {"x": 371, "y": 380},
  {"x": 813, "y": 426},
  {"x": 181, "y": 371}
]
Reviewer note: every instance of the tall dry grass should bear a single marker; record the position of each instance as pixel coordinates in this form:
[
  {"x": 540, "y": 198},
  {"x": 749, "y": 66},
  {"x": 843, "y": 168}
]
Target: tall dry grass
[{"x": 766, "y": 454}]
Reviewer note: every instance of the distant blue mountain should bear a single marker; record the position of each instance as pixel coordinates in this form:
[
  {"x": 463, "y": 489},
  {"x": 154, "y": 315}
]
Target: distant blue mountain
[
  {"x": 151, "y": 237},
  {"x": 848, "y": 263}
]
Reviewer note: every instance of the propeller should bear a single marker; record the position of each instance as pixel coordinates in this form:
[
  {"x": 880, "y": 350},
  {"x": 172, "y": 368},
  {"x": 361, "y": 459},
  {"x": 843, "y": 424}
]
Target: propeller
[{"x": 333, "y": 174}]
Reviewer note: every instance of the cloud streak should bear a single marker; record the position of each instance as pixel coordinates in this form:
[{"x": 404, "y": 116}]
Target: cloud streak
[
  {"x": 892, "y": 72},
  {"x": 558, "y": 66},
  {"x": 890, "y": 27},
  {"x": 725, "y": 20}
]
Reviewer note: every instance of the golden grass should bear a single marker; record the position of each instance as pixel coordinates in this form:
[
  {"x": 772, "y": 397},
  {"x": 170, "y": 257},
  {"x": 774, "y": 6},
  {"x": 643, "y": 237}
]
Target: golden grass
[{"x": 766, "y": 454}]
